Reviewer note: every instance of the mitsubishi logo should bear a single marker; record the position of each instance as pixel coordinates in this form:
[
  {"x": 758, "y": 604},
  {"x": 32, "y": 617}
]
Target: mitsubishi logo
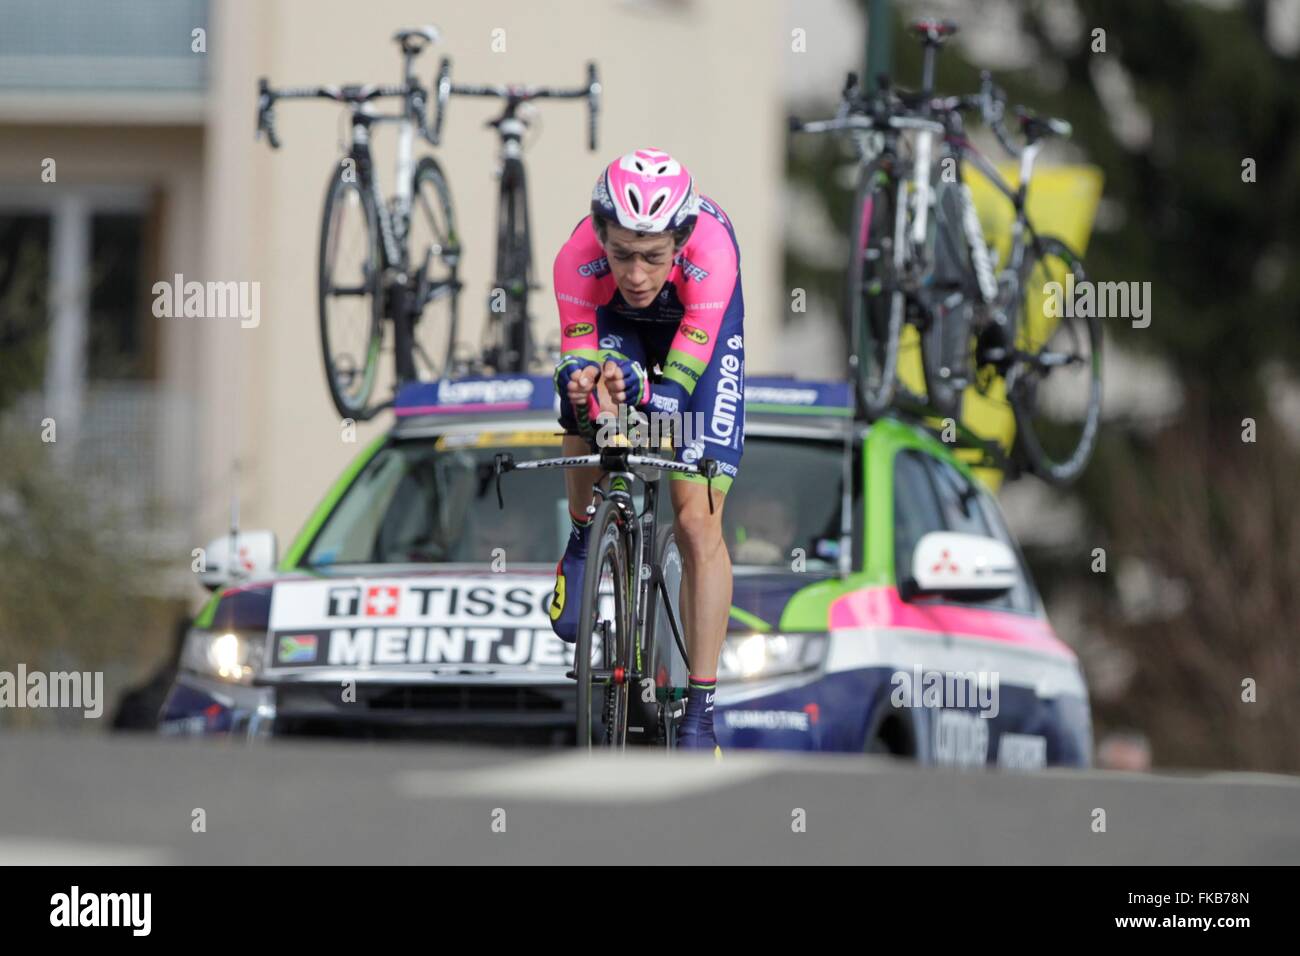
[{"x": 940, "y": 566}]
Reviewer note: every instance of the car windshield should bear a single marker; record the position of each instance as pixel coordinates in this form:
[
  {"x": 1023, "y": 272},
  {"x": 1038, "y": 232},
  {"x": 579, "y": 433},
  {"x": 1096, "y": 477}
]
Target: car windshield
[{"x": 434, "y": 501}]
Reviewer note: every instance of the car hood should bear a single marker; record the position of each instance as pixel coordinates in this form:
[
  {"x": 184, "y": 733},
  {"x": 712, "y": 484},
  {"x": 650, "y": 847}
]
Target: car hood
[{"x": 764, "y": 595}]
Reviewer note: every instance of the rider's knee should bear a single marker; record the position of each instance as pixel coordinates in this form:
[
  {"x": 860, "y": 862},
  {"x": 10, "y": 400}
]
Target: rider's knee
[{"x": 699, "y": 533}]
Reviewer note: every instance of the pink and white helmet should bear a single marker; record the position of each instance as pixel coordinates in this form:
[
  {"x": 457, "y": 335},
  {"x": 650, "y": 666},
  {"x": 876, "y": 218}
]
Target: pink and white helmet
[{"x": 646, "y": 190}]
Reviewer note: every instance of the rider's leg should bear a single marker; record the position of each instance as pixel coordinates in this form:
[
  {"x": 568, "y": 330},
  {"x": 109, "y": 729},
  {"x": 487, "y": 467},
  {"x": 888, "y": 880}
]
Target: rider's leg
[
  {"x": 706, "y": 574},
  {"x": 715, "y": 410},
  {"x": 704, "y": 602},
  {"x": 578, "y": 481},
  {"x": 566, "y": 597}
]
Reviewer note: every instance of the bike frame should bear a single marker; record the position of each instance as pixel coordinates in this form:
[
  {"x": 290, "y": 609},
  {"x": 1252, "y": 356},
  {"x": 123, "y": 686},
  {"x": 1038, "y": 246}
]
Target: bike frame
[
  {"x": 510, "y": 128},
  {"x": 962, "y": 150},
  {"x": 394, "y": 222},
  {"x": 395, "y": 214},
  {"x": 622, "y": 471}
]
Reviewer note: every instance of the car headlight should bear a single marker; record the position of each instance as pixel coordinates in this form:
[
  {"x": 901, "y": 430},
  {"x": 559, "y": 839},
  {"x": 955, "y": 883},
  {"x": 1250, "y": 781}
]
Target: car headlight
[
  {"x": 749, "y": 656},
  {"x": 235, "y": 656}
]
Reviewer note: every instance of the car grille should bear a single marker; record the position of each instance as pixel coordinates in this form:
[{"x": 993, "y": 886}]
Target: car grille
[{"x": 479, "y": 714}]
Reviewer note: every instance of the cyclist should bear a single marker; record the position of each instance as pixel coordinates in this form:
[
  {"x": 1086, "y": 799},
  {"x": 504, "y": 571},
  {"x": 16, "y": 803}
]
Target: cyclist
[{"x": 652, "y": 278}]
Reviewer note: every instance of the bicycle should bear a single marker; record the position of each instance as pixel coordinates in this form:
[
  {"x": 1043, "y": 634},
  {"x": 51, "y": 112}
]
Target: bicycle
[
  {"x": 508, "y": 345},
  {"x": 396, "y": 264},
  {"x": 973, "y": 318},
  {"x": 636, "y": 566}
]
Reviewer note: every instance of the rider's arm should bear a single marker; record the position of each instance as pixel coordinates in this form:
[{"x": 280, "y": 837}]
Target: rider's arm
[
  {"x": 709, "y": 288},
  {"x": 580, "y": 283}
]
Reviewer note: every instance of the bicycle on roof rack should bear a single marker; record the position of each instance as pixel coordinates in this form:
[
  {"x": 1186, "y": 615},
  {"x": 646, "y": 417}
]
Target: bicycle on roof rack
[
  {"x": 933, "y": 268},
  {"x": 381, "y": 260},
  {"x": 508, "y": 344}
]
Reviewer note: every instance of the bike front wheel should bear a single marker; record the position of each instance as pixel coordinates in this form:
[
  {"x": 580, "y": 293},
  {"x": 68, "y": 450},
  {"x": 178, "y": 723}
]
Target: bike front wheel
[
  {"x": 511, "y": 349},
  {"x": 435, "y": 251},
  {"x": 874, "y": 300},
  {"x": 1054, "y": 380},
  {"x": 664, "y": 662},
  {"x": 602, "y": 663},
  {"x": 350, "y": 294}
]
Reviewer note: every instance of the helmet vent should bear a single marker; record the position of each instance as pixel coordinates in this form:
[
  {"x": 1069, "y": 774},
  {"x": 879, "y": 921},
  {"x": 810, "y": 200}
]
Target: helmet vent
[
  {"x": 654, "y": 206},
  {"x": 634, "y": 201}
]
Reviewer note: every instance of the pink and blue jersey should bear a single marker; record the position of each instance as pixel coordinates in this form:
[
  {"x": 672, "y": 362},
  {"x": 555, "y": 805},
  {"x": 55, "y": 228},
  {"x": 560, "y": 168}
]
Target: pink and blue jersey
[{"x": 693, "y": 330}]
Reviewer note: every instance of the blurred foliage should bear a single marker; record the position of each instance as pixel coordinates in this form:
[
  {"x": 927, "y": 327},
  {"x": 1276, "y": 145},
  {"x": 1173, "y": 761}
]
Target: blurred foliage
[
  {"x": 1224, "y": 528},
  {"x": 1190, "y": 499},
  {"x": 74, "y": 593}
]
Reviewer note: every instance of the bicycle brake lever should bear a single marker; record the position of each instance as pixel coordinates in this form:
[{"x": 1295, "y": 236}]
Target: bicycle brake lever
[
  {"x": 710, "y": 468},
  {"x": 501, "y": 463}
]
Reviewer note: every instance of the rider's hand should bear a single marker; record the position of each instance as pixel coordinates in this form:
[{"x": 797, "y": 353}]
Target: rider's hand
[
  {"x": 614, "y": 382},
  {"x": 580, "y": 385},
  {"x": 627, "y": 381},
  {"x": 568, "y": 370}
]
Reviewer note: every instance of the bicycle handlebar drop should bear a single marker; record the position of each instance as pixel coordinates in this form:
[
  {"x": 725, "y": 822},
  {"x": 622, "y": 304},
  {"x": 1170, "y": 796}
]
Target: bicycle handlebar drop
[
  {"x": 515, "y": 94},
  {"x": 617, "y": 458}
]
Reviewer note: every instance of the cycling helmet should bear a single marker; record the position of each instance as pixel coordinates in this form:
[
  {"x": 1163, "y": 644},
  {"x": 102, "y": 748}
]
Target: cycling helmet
[{"x": 646, "y": 191}]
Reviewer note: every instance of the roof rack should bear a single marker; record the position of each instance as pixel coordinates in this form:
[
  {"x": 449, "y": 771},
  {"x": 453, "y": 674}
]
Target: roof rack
[
  {"x": 485, "y": 394},
  {"x": 764, "y": 395}
]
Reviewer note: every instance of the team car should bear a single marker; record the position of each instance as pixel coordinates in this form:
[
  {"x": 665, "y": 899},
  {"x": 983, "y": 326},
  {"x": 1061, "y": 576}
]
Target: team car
[{"x": 880, "y": 603}]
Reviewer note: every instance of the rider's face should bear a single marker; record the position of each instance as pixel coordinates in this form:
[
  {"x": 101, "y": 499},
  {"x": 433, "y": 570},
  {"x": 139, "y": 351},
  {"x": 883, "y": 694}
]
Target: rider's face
[{"x": 640, "y": 264}]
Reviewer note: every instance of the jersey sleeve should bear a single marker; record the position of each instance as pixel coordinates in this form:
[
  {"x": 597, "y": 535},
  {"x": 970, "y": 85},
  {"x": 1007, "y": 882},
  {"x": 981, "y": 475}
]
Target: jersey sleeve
[
  {"x": 708, "y": 286},
  {"x": 581, "y": 281}
]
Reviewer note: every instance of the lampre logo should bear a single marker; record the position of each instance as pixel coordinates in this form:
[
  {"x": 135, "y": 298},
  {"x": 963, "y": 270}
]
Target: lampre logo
[
  {"x": 722, "y": 424},
  {"x": 486, "y": 391}
]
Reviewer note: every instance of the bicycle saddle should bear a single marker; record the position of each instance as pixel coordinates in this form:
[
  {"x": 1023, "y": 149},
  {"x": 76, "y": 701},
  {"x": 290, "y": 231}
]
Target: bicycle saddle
[
  {"x": 417, "y": 38},
  {"x": 931, "y": 30}
]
